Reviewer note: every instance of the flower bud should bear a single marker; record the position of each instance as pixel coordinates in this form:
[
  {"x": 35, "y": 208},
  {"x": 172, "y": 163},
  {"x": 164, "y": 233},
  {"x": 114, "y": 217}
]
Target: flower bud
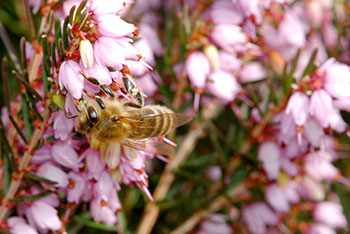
[
  {"x": 212, "y": 54},
  {"x": 86, "y": 53}
]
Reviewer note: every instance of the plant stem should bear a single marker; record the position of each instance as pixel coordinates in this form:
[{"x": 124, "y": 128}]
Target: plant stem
[{"x": 16, "y": 180}]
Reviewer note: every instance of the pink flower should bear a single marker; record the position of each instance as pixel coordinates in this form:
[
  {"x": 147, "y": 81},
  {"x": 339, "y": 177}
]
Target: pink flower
[
  {"x": 102, "y": 213},
  {"x": 291, "y": 191},
  {"x": 102, "y": 7},
  {"x": 313, "y": 133},
  {"x": 104, "y": 47},
  {"x": 298, "y": 107},
  {"x": 269, "y": 155},
  {"x": 251, "y": 72},
  {"x": 197, "y": 68},
  {"x": 93, "y": 162},
  {"x": 53, "y": 173},
  {"x": 291, "y": 30},
  {"x": 337, "y": 78},
  {"x": 257, "y": 216},
  {"x": 214, "y": 173},
  {"x": 330, "y": 213},
  {"x": 215, "y": 224},
  {"x": 229, "y": 62},
  {"x": 224, "y": 12},
  {"x": 65, "y": 155},
  {"x": 229, "y": 37},
  {"x": 319, "y": 166},
  {"x": 149, "y": 87},
  {"x": 41, "y": 155},
  {"x": 70, "y": 78},
  {"x": 62, "y": 125},
  {"x": 75, "y": 188},
  {"x": 321, "y": 229},
  {"x": 113, "y": 26},
  {"x": 106, "y": 191},
  {"x": 224, "y": 86},
  {"x": 44, "y": 216},
  {"x": 321, "y": 107},
  {"x": 19, "y": 226},
  {"x": 311, "y": 189},
  {"x": 277, "y": 198}
]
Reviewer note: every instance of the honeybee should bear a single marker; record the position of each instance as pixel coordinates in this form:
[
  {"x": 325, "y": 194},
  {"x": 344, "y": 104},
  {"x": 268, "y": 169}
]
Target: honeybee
[{"x": 129, "y": 124}]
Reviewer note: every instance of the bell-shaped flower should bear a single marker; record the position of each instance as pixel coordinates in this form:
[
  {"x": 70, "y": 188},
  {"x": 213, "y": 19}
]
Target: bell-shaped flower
[
  {"x": 103, "y": 7},
  {"x": 94, "y": 164},
  {"x": 313, "y": 133},
  {"x": 330, "y": 213},
  {"x": 269, "y": 155},
  {"x": 318, "y": 165},
  {"x": 111, "y": 25},
  {"x": 62, "y": 125},
  {"x": 69, "y": 77},
  {"x": 337, "y": 78},
  {"x": 44, "y": 216},
  {"x": 104, "y": 47},
  {"x": 229, "y": 37},
  {"x": 75, "y": 188},
  {"x": 257, "y": 216},
  {"x": 252, "y": 71},
  {"x": 319, "y": 228},
  {"x": 215, "y": 223},
  {"x": 65, "y": 155},
  {"x": 18, "y": 225},
  {"x": 298, "y": 107},
  {"x": 224, "y": 86},
  {"x": 53, "y": 173},
  {"x": 311, "y": 189},
  {"x": 102, "y": 213},
  {"x": 197, "y": 68},
  {"x": 277, "y": 198},
  {"x": 321, "y": 107}
]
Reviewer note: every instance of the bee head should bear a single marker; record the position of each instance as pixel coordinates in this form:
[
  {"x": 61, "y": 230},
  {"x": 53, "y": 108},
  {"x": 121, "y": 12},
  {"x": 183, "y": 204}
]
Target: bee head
[{"x": 87, "y": 118}]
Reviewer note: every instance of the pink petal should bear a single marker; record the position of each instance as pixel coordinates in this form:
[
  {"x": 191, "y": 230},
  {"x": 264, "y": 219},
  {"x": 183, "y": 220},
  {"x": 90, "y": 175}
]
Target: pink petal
[
  {"x": 102, "y": 7},
  {"x": 229, "y": 37},
  {"x": 65, "y": 155},
  {"x": 197, "y": 68},
  {"x": 53, "y": 173},
  {"x": 269, "y": 155},
  {"x": 318, "y": 166},
  {"x": 224, "y": 86},
  {"x": 45, "y": 216},
  {"x": 321, "y": 107},
  {"x": 113, "y": 26},
  {"x": 252, "y": 71},
  {"x": 70, "y": 78},
  {"x": 298, "y": 107},
  {"x": 277, "y": 198},
  {"x": 330, "y": 213}
]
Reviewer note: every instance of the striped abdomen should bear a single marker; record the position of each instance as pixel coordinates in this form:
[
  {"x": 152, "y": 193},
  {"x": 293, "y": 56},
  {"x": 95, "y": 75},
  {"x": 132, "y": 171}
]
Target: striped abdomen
[{"x": 152, "y": 121}]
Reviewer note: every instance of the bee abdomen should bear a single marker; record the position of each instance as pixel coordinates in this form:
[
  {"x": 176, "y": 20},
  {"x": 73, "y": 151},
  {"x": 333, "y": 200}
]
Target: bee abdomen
[{"x": 160, "y": 124}]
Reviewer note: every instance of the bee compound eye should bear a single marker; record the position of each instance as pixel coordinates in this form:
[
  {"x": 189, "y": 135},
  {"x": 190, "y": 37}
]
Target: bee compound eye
[{"x": 92, "y": 114}]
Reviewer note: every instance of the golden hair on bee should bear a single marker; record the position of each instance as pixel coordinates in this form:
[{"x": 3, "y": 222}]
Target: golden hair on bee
[{"x": 127, "y": 123}]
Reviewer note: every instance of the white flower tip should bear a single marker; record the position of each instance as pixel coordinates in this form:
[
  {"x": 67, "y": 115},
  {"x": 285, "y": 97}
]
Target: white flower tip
[{"x": 86, "y": 53}]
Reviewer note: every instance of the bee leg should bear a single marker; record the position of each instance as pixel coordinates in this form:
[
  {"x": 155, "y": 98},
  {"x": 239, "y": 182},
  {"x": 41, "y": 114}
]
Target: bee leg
[
  {"x": 97, "y": 98},
  {"x": 130, "y": 86},
  {"x": 132, "y": 104},
  {"x": 102, "y": 86}
]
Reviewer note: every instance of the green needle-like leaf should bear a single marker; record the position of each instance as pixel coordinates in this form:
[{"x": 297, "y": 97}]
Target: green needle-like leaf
[{"x": 26, "y": 117}]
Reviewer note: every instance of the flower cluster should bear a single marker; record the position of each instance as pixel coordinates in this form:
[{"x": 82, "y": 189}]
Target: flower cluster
[{"x": 268, "y": 82}]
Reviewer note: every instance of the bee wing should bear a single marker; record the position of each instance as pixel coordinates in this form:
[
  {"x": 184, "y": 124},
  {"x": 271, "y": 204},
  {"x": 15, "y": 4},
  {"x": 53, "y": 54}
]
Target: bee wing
[
  {"x": 150, "y": 146},
  {"x": 149, "y": 122}
]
